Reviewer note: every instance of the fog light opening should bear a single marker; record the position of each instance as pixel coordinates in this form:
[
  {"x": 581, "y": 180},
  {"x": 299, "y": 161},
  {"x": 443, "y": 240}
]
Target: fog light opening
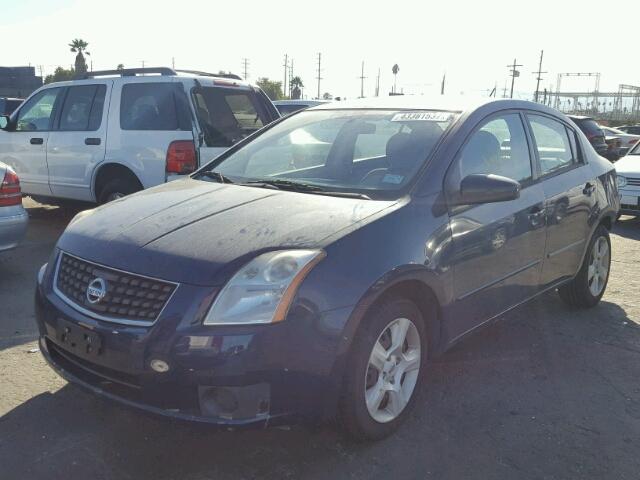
[{"x": 159, "y": 366}]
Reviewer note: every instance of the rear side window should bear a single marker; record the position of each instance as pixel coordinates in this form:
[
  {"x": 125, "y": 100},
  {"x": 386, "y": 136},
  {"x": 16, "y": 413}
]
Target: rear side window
[
  {"x": 82, "y": 109},
  {"x": 153, "y": 106},
  {"x": 590, "y": 127},
  {"x": 552, "y": 143},
  {"x": 226, "y": 115}
]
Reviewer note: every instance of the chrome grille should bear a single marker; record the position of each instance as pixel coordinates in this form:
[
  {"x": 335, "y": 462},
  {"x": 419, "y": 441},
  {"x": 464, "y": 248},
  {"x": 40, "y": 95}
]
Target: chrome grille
[
  {"x": 633, "y": 181},
  {"x": 129, "y": 298}
]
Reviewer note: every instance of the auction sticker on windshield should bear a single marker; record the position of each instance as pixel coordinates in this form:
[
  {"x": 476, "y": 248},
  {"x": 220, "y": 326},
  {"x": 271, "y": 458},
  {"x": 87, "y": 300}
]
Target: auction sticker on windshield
[{"x": 421, "y": 117}]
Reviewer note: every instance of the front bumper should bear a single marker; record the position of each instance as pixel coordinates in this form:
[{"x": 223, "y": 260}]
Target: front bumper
[
  {"x": 13, "y": 225},
  {"x": 231, "y": 376},
  {"x": 629, "y": 201}
]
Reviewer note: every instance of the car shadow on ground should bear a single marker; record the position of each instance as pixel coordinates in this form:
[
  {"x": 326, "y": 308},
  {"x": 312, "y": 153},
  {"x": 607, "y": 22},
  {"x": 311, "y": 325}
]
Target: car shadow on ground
[
  {"x": 628, "y": 227},
  {"x": 530, "y": 397}
]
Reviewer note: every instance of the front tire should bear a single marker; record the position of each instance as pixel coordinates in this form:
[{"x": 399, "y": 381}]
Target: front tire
[
  {"x": 587, "y": 288},
  {"x": 385, "y": 370}
]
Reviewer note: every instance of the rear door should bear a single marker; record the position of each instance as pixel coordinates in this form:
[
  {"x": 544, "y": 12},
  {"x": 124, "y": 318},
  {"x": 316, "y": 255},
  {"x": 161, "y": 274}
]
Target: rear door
[
  {"x": 77, "y": 143},
  {"x": 569, "y": 191},
  {"x": 498, "y": 248},
  {"x": 226, "y": 115},
  {"x": 25, "y": 147}
]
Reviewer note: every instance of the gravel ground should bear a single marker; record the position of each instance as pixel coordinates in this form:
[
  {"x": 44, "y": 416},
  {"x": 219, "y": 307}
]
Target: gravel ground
[{"x": 547, "y": 392}]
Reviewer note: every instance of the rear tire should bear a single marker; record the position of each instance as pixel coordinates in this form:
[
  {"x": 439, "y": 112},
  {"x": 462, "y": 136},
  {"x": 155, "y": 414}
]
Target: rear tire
[
  {"x": 588, "y": 286},
  {"x": 118, "y": 188},
  {"x": 385, "y": 370}
]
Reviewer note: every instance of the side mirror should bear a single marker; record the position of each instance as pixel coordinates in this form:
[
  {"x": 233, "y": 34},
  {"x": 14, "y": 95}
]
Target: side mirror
[
  {"x": 481, "y": 188},
  {"x": 4, "y": 122}
]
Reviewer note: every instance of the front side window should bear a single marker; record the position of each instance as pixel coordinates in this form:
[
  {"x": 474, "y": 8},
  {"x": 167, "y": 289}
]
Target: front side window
[
  {"x": 35, "y": 115},
  {"x": 82, "y": 110},
  {"x": 499, "y": 147},
  {"x": 367, "y": 151},
  {"x": 552, "y": 143},
  {"x": 153, "y": 106},
  {"x": 226, "y": 115}
]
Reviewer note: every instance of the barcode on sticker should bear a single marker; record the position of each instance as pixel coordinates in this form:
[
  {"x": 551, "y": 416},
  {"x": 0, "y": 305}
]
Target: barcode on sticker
[{"x": 421, "y": 117}]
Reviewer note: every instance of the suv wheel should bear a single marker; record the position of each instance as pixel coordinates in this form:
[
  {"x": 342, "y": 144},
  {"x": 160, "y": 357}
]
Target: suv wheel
[
  {"x": 117, "y": 188},
  {"x": 587, "y": 288},
  {"x": 385, "y": 370}
]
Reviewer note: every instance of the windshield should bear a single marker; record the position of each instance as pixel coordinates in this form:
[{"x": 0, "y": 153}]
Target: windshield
[
  {"x": 365, "y": 151},
  {"x": 635, "y": 150}
]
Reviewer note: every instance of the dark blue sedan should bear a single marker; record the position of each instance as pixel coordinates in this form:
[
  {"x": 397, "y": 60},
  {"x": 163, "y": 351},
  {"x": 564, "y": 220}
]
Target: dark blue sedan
[{"x": 315, "y": 269}]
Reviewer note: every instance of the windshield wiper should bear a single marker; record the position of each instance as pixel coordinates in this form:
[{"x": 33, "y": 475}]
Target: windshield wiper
[
  {"x": 303, "y": 188},
  {"x": 217, "y": 176}
]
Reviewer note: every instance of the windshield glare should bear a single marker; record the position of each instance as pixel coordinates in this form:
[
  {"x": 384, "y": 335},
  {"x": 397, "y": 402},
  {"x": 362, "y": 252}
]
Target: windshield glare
[{"x": 341, "y": 150}]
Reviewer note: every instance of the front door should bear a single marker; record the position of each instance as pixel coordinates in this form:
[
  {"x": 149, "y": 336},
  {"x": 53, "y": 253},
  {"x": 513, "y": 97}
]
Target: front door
[
  {"x": 77, "y": 143},
  {"x": 498, "y": 248},
  {"x": 24, "y": 148}
]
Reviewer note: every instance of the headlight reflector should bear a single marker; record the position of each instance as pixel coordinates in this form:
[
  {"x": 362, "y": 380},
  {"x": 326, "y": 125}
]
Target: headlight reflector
[
  {"x": 621, "y": 181},
  {"x": 262, "y": 290}
]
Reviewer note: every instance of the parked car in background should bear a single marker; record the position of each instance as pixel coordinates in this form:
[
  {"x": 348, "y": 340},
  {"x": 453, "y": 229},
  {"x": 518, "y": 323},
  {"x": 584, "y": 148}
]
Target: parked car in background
[
  {"x": 113, "y": 133},
  {"x": 9, "y": 105},
  {"x": 13, "y": 217},
  {"x": 628, "y": 171},
  {"x": 258, "y": 292},
  {"x": 593, "y": 132},
  {"x": 627, "y": 140},
  {"x": 633, "y": 129},
  {"x": 287, "y": 107}
]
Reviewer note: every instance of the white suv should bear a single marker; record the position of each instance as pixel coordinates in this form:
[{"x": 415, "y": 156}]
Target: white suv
[{"x": 113, "y": 133}]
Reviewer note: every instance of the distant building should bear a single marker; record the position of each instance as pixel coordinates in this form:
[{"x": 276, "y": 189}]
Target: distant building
[{"x": 18, "y": 81}]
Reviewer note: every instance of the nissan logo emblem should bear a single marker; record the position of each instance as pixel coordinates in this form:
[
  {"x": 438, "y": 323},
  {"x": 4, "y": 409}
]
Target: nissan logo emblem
[{"x": 96, "y": 290}]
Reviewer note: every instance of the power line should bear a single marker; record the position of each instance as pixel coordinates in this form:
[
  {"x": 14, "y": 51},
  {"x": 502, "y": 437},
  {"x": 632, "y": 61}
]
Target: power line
[
  {"x": 362, "y": 77},
  {"x": 290, "y": 77},
  {"x": 539, "y": 78},
  {"x": 514, "y": 73},
  {"x": 319, "y": 77}
]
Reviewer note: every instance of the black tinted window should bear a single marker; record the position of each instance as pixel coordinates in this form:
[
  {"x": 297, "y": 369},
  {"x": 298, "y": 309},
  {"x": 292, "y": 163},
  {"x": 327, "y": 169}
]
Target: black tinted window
[
  {"x": 227, "y": 115},
  {"x": 590, "y": 126},
  {"x": 153, "y": 106},
  {"x": 82, "y": 108}
]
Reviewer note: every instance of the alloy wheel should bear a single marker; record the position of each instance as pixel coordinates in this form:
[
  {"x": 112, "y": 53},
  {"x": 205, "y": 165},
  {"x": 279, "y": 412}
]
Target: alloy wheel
[{"x": 598, "y": 266}]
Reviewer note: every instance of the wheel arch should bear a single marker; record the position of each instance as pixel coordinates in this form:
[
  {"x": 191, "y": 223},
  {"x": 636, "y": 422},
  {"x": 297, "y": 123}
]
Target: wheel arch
[{"x": 108, "y": 171}]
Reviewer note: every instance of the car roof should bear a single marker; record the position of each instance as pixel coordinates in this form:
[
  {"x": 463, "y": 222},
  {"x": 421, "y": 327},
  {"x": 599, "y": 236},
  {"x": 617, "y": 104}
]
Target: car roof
[{"x": 300, "y": 102}]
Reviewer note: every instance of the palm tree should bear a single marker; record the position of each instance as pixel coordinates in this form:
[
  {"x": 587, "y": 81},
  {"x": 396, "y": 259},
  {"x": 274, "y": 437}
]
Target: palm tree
[
  {"x": 80, "y": 46},
  {"x": 296, "y": 87},
  {"x": 120, "y": 66}
]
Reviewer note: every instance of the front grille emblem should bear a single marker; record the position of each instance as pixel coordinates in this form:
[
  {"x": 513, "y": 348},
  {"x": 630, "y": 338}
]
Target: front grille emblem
[{"x": 96, "y": 290}]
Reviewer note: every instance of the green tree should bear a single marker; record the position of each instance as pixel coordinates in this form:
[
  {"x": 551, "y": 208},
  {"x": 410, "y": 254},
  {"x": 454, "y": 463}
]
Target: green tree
[
  {"x": 296, "y": 87},
  {"x": 272, "y": 88},
  {"x": 327, "y": 96},
  {"x": 60, "y": 75},
  {"x": 80, "y": 46},
  {"x": 120, "y": 66}
]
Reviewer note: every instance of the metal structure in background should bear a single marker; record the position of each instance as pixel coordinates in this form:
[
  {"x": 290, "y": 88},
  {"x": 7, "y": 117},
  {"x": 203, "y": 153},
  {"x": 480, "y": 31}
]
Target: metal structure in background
[{"x": 620, "y": 106}]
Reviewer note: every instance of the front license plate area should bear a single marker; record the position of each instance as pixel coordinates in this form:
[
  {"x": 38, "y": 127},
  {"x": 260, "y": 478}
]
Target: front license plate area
[{"x": 77, "y": 339}]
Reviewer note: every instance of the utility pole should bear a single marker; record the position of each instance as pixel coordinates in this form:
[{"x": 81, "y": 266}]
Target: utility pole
[
  {"x": 444, "y": 77},
  {"x": 504, "y": 90},
  {"x": 539, "y": 78},
  {"x": 514, "y": 73},
  {"x": 378, "y": 83},
  {"x": 173, "y": 62},
  {"x": 290, "y": 77},
  {"x": 142, "y": 63},
  {"x": 319, "y": 77},
  {"x": 286, "y": 68},
  {"x": 245, "y": 68},
  {"x": 362, "y": 77}
]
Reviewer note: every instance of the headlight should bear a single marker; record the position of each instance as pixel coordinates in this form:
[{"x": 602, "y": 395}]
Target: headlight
[
  {"x": 263, "y": 289},
  {"x": 621, "y": 181}
]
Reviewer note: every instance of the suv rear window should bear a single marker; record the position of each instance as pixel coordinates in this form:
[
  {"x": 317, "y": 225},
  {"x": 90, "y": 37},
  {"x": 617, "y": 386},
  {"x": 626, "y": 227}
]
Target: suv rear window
[
  {"x": 589, "y": 126},
  {"x": 227, "y": 115},
  {"x": 153, "y": 106}
]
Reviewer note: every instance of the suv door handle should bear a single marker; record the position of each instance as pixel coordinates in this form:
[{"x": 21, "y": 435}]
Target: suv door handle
[
  {"x": 36, "y": 141},
  {"x": 589, "y": 188},
  {"x": 92, "y": 141}
]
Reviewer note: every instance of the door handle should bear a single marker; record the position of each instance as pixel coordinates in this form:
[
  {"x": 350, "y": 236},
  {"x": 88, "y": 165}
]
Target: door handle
[
  {"x": 589, "y": 188},
  {"x": 92, "y": 141},
  {"x": 36, "y": 141}
]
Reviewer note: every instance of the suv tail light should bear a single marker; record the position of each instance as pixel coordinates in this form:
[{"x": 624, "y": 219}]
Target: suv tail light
[
  {"x": 10, "y": 192},
  {"x": 181, "y": 157}
]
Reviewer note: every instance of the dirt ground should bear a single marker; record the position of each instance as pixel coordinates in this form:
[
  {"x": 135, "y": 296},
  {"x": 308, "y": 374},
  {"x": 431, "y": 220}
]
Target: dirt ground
[{"x": 546, "y": 393}]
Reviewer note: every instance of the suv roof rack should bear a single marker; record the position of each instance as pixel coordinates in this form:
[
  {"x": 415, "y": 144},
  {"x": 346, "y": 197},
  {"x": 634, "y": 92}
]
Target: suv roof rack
[{"x": 162, "y": 71}]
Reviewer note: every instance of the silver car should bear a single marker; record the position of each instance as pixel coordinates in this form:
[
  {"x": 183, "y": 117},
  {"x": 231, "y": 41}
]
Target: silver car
[{"x": 13, "y": 216}]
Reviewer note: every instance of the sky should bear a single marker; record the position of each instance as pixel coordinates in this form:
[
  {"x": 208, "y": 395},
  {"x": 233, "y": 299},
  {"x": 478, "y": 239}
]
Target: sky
[{"x": 470, "y": 41}]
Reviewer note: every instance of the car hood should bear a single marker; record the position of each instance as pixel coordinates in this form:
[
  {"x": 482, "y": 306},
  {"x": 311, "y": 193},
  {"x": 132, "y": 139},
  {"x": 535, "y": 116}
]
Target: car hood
[
  {"x": 197, "y": 232},
  {"x": 628, "y": 165}
]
